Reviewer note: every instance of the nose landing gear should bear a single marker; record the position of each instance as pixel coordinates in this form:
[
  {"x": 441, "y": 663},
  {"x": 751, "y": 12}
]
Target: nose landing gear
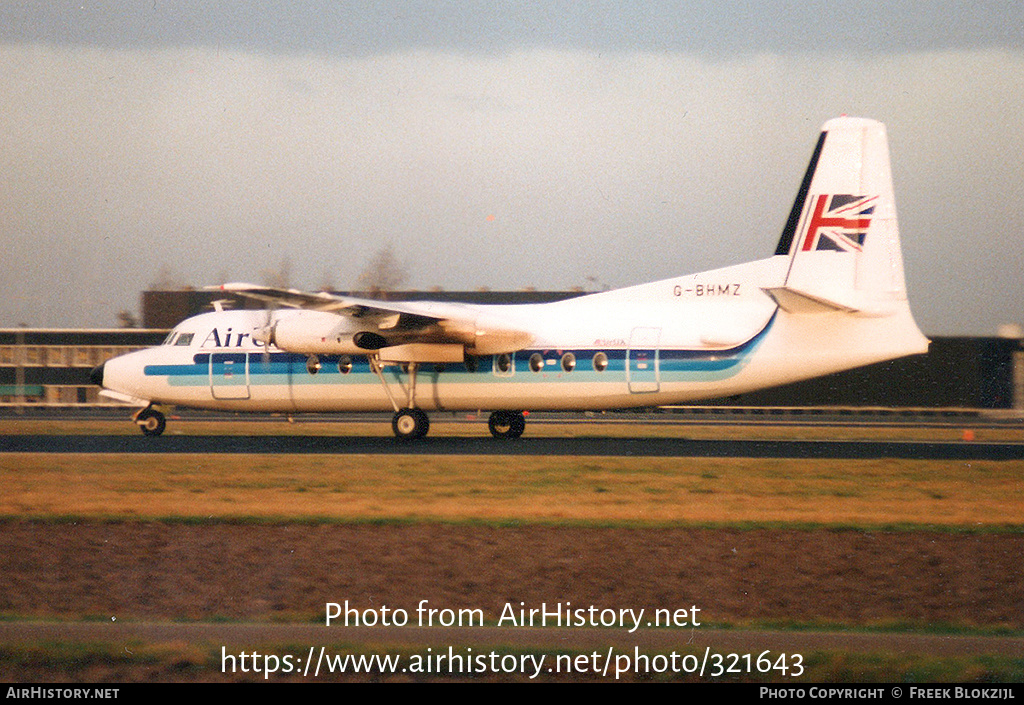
[{"x": 151, "y": 421}]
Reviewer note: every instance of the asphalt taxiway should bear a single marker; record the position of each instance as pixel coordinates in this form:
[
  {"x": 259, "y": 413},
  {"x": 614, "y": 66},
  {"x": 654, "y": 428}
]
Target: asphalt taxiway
[{"x": 454, "y": 445}]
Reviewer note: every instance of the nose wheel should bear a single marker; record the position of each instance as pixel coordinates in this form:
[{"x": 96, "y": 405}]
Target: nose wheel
[
  {"x": 507, "y": 424},
  {"x": 409, "y": 424},
  {"x": 151, "y": 421}
]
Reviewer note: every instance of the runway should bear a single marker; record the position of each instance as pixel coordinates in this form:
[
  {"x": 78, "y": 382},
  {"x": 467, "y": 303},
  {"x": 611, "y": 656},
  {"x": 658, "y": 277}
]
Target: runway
[{"x": 455, "y": 445}]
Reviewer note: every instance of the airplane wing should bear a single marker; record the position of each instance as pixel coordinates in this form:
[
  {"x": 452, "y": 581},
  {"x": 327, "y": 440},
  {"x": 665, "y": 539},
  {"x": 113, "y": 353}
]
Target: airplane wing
[
  {"x": 293, "y": 298},
  {"x": 332, "y": 323}
]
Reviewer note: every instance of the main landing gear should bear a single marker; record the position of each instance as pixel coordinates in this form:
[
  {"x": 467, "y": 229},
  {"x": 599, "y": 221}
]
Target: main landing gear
[
  {"x": 408, "y": 423},
  {"x": 411, "y": 423},
  {"x": 507, "y": 424}
]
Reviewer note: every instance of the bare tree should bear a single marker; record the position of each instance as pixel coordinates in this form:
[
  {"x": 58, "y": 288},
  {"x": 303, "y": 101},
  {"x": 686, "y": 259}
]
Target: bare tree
[
  {"x": 281, "y": 278},
  {"x": 167, "y": 279},
  {"x": 127, "y": 319},
  {"x": 383, "y": 273},
  {"x": 326, "y": 281}
]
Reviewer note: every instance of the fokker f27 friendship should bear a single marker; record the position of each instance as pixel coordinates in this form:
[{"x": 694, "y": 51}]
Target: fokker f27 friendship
[{"x": 831, "y": 298}]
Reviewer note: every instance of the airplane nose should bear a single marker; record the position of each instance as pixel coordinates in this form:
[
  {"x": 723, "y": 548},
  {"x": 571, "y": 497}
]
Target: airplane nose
[{"x": 96, "y": 376}]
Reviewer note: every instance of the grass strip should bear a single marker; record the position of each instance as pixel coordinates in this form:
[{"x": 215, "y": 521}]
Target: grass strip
[{"x": 886, "y": 494}]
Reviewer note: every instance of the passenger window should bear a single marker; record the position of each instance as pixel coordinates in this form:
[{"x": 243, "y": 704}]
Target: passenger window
[
  {"x": 600, "y": 362},
  {"x": 536, "y": 362},
  {"x": 503, "y": 364},
  {"x": 313, "y": 364},
  {"x": 568, "y": 362}
]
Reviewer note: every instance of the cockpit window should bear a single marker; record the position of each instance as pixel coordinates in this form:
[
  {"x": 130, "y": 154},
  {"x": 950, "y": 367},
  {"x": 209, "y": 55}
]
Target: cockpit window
[
  {"x": 185, "y": 339},
  {"x": 170, "y": 337}
]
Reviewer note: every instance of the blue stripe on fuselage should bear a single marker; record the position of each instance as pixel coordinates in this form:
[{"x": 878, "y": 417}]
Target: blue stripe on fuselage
[{"x": 674, "y": 365}]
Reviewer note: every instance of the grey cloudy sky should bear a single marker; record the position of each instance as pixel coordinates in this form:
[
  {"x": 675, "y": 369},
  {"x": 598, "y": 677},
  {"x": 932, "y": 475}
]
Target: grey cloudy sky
[{"x": 502, "y": 145}]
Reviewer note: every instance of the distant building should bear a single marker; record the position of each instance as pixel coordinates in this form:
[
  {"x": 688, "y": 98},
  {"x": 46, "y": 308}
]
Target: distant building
[
  {"x": 52, "y": 366},
  {"x": 971, "y": 373}
]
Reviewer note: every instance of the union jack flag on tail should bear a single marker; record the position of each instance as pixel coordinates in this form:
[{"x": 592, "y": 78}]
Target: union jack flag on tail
[{"x": 838, "y": 222}]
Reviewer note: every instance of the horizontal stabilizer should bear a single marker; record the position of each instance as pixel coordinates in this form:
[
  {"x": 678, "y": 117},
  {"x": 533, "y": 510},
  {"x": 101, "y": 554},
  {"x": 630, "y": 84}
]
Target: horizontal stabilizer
[{"x": 794, "y": 301}]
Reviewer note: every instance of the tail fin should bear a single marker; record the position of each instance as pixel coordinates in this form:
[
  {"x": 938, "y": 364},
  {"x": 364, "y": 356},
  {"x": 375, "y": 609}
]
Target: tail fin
[{"x": 841, "y": 237}]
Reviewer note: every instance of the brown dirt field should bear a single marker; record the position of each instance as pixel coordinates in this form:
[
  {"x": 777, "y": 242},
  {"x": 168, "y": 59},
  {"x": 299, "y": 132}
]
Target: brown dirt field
[{"x": 155, "y": 570}]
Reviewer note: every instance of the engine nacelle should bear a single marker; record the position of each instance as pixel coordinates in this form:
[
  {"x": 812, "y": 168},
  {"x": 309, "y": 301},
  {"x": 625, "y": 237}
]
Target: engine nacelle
[
  {"x": 324, "y": 333},
  {"x": 315, "y": 332},
  {"x": 493, "y": 336}
]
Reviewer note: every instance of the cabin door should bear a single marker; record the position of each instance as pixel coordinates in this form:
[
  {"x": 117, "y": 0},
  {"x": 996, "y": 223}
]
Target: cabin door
[
  {"x": 229, "y": 375},
  {"x": 642, "y": 372}
]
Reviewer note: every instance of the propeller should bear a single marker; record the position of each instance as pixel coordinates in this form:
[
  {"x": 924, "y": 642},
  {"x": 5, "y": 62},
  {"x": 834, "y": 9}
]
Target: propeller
[{"x": 265, "y": 334}]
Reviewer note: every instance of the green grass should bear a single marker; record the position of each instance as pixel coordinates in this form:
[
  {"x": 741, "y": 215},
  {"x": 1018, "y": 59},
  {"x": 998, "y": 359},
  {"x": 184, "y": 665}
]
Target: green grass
[
  {"x": 871, "y": 494},
  {"x": 835, "y": 495}
]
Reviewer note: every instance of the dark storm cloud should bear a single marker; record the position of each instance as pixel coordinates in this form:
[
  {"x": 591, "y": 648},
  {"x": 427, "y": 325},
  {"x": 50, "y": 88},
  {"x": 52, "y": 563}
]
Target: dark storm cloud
[
  {"x": 533, "y": 144},
  {"x": 706, "y": 27}
]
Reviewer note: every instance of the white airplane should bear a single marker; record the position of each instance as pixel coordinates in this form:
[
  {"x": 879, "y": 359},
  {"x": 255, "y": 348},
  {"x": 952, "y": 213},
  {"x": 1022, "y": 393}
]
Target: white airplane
[{"x": 831, "y": 298}]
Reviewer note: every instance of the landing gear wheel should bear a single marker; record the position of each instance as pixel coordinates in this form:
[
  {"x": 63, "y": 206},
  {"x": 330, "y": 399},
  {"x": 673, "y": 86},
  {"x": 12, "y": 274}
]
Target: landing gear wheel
[
  {"x": 151, "y": 421},
  {"x": 410, "y": 424},
  {"x": 507, "y": 424}
]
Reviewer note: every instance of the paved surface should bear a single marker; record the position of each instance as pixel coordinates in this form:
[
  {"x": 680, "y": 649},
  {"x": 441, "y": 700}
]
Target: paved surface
[{"x": 594, "y": 446}]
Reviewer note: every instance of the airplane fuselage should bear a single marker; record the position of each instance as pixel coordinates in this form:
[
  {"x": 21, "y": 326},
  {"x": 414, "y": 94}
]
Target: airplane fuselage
[
  {"x": 832, "y": 298},
  {"x": 714, "y": 334}
]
